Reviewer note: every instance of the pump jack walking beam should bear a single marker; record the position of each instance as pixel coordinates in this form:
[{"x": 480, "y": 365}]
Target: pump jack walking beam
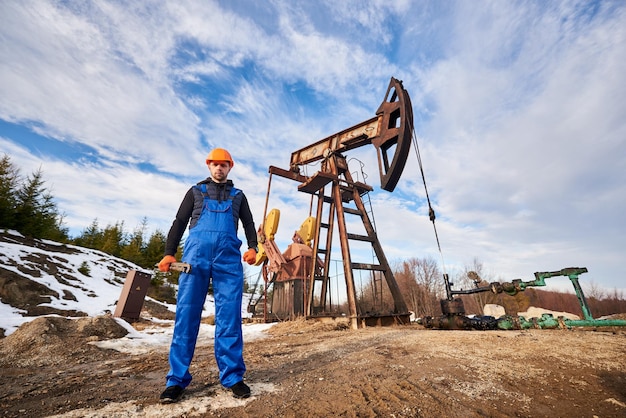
[{"x": 389, "y": 131}]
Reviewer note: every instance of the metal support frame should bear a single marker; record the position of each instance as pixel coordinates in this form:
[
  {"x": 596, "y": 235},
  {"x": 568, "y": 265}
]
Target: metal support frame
[{"x": 344, "y": 190}]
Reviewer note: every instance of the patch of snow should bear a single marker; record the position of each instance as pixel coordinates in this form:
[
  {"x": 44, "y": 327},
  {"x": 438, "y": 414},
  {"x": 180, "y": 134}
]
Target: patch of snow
[
  {"x": 10, "y": 318},
  {"x": 158, "y": 338},
  {"x": 95, "y": 294}
]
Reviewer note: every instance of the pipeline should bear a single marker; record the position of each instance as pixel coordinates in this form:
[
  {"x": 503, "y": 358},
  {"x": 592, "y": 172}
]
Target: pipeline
[
  {"x": 454, "y": 318},
  {"x": 508, "y": 322}
]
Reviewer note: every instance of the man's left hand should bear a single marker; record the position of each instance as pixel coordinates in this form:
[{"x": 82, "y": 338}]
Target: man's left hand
[{"x": 250, "y": 256}]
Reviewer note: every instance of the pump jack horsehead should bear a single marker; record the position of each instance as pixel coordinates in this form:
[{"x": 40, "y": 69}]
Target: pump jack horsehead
[{"x": 390, "y": 132}]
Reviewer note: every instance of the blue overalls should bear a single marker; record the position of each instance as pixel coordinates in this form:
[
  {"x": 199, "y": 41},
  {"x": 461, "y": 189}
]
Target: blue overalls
[{"x": 212, "y": 249}]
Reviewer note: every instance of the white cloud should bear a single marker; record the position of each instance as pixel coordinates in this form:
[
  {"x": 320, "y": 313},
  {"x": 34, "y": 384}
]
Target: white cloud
[
  {"x": 519, "y": 109},
  {"x": 74, "y": 86}
]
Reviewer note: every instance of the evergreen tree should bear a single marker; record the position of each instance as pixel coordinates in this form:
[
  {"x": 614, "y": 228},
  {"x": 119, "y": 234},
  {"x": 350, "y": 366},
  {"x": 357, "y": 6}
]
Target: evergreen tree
[
  {"x": 90, "y": 237},
  {"x": 36, "y": 213},
  {"x": 133, "y": 251},
  {"x": 113, "y": 239},
  {"x": 9, "y": 180},
  {"x": 59, "y": 233},
  {"x": 155, "y": 248}
]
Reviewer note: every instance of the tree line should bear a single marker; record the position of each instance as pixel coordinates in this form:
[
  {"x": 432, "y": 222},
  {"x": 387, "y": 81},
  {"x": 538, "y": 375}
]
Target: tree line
[{"x": 28, "y": 206}]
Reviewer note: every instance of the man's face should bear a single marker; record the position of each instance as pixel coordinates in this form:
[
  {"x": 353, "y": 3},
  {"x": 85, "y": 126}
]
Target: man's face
[{"x": 219, "y": 170}]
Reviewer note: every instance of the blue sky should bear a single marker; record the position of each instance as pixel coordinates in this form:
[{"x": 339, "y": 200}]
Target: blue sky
[{"x": 519, "y": 106}]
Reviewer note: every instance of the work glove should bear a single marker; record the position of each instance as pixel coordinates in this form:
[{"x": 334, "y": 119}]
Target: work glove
[
  {"x": 250, "y": 256},
  {"x": 164, "y": 264}
]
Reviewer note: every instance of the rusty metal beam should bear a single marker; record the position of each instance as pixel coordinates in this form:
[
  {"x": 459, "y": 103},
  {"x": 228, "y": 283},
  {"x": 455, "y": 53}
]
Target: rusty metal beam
[
  {"x": 292, "y": 175},
  {"x": 354, "y": 137},
  {"x": 390, "y": 131}
]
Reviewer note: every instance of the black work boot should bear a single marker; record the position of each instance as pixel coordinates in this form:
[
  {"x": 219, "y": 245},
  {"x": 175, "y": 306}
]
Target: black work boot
[
  {"x": 240, "y": 390},
  {"x": 171, "y": 394}
]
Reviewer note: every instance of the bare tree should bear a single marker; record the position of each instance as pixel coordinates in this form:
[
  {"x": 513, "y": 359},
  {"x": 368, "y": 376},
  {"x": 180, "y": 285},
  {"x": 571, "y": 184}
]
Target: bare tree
[
  {"x": 593, "y": 291},
  {"x": 421, "y": 283},
  {"x": 472, "y": 276}
]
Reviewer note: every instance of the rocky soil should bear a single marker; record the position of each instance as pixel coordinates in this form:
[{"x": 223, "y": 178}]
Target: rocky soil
[{"x": 312, "y": 369}]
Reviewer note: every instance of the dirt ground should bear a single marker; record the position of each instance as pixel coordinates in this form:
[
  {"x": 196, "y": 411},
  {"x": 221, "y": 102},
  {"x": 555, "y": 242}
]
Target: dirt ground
[{"x": 311, "y": 369}]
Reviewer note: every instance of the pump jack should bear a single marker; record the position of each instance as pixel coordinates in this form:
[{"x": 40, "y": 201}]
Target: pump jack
[{"x": 390, "y": 132}]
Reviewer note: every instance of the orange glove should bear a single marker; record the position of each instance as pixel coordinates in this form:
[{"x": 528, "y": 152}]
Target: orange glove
[
  {"x": 164, "y": 264},
  {"x": 250, "y": 256}
]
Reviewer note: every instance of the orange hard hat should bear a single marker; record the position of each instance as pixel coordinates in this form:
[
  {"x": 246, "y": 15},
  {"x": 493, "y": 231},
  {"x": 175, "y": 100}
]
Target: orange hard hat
[{"x": 220, "y": 154}]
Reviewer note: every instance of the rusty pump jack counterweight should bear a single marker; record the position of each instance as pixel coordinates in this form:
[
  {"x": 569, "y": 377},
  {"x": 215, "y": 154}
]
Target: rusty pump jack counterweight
[{"x": 390, "y": 132}]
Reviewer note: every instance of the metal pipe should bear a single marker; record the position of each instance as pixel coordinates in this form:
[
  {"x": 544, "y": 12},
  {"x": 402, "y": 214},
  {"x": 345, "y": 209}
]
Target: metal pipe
[{"x": 581, "y": 298}]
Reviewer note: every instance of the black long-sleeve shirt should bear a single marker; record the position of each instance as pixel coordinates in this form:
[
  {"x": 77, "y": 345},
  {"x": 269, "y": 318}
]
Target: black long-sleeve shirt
[{"x": 217, "y": 191}]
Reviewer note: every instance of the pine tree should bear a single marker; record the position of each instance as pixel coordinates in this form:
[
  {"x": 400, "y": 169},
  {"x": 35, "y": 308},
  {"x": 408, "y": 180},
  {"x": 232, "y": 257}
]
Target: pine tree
[
  {"x": 90, "y": 237},
  {"x": 36, "y": 212},
  {"x": 113, "y": 239},
  {"x": 9, "y": 180},
  {"x": 155, "y": 248},
  {"x": 134, "y": 250}
]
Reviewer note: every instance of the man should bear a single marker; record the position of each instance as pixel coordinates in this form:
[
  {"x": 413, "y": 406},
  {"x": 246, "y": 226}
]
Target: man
[{"x": 213, "y": 209}]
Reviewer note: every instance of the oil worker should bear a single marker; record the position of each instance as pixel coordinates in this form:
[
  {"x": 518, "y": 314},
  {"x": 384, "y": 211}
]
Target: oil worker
[{"x": 213, "y": 209}]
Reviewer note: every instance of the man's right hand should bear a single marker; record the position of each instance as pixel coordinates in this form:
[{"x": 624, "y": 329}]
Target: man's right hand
[{"x": 166, "y": 262}]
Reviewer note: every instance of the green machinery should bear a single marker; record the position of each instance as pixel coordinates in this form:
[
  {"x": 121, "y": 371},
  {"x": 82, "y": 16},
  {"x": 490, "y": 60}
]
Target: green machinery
[{"x": 454, "y": 313}]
